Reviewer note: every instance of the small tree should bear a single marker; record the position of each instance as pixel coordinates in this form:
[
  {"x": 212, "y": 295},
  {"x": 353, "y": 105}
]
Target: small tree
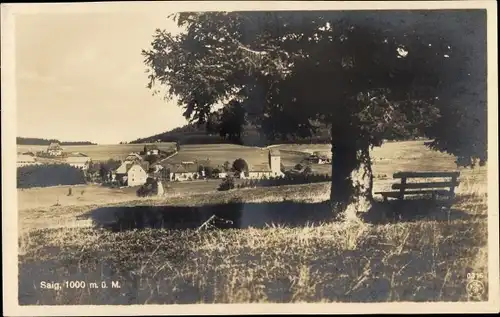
[
  {"x": 201, "y": 170},
  {"x": 240, "y": 165},
  {"x": 209, "y": 172},
  {"x": 307, "y": 170},
  {"x": 165, "y": 173},
  {"x": 151, "y": 159},
  {"x": 226, "y": 184},
  {"x": 226, "y": 166},
  {"x": 215, "y": 172},
  {"x": 150, "y": 188}
]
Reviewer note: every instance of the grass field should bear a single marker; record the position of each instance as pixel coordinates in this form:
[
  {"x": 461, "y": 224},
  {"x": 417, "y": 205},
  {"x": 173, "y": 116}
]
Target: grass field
[
  {"x": 217, "y": 154},
  {"x": 100, "y": 152},
  {"x": 281, "y": 247}
]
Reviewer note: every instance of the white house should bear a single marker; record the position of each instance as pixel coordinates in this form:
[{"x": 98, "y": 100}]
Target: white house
[
  {"x": 221, "y": 175},
  {"x": 25, "y": 160},
  {"x": 82, "y": 162},
  {"x": 136, "y": 175},
  {"x": 271, "y": 169},
  {"x": 132, "y": 173},
  {"x": 54, "y": 149}
]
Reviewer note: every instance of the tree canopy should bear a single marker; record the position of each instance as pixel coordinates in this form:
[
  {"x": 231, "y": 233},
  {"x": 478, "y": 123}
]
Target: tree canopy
[{"x": 368, "y": 75}]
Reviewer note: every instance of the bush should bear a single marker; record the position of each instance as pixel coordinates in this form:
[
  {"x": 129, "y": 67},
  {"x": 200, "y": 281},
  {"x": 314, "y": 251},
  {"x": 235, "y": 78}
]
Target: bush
[
  {"x": 226, "y": 184},
  {"x": 49, "y": 175},
  {"x": 151, "y": 159},
  {"x": 209, "y": 172},
  {"x": 240, "y": 165},
  {"x": 148, "y": 189}
]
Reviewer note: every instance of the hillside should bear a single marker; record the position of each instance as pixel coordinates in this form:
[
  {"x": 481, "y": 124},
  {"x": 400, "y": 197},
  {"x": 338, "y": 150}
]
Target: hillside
[
  {"x": 193, "y": 133},
  {"x": 39, "y": 141}
]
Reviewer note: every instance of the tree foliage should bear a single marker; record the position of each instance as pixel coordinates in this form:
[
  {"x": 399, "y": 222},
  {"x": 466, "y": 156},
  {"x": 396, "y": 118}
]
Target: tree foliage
[
  {"x": 369, "y": 76},
  {"x": 49, "y": 175},
  {"x": 240, "y": 165},
  {"x": 39, "y": 141}
]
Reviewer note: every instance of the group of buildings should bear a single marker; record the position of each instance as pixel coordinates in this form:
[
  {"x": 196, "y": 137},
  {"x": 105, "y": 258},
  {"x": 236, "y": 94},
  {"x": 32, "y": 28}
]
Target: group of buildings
[
  {"x": 54, "y": 155},
  {"x": 135, "y": 169}
]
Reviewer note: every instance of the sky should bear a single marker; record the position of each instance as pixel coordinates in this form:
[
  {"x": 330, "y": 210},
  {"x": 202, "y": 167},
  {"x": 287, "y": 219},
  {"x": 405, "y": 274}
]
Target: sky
[{"x": 81, "y": 77}]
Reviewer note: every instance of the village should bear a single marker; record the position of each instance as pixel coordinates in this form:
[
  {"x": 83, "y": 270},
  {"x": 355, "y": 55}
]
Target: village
[{"x": 155, "y": 164}]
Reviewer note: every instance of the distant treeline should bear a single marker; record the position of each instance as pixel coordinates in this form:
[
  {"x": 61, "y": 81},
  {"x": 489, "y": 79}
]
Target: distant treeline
[
  {"x": 181, "y": 135},
  {"x": 197, "y": 134},
  {"x": 38, "y": 141},
  {"x": 49, "y": 175}
]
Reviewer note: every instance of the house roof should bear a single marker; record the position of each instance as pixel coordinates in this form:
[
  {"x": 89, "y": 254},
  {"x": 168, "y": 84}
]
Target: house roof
[
  {"x": 79, "y": 154},
  {"x": 77, "y": 159},
  {"x": 54, "y": 146},
  {"x": 184, "y": 168},
  {"x": 264, "y": 167},
  {"x": 133, "y": 156},
  {"x": 274, "y": 152},
  {"x": 322, "y": 154}
]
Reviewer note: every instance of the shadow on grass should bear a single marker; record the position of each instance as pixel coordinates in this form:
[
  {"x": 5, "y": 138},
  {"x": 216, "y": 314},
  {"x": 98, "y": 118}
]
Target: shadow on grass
[
  {"x": 233, "y": 215},
  {"x": 186, "y": 267},
  {"x": 238, "y": 215},
  {"x": 417, "y": 209}
]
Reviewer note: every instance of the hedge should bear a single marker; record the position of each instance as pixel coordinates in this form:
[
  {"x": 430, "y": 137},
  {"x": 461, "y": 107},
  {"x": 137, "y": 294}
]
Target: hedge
[{"x": 49, "y": 175}]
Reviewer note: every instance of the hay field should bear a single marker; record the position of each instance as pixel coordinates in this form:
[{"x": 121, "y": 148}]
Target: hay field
[
  {"x": 101, "y": 152},
  {"x": 284, "y": 246}
]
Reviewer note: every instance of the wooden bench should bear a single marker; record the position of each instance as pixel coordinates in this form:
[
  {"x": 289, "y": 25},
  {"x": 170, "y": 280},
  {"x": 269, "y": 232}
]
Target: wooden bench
[{"x": 436, "y": 188}]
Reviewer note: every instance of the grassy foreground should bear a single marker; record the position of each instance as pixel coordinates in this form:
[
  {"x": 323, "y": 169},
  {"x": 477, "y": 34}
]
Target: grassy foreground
[{"x": 356, "y": 261}]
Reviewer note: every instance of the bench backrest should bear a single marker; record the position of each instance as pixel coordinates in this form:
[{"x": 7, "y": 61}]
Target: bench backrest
[{"x": 437, "y": 184}]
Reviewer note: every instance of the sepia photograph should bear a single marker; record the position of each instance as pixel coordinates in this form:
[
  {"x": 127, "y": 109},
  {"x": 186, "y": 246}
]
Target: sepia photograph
[{"x": 289, "y": 153}]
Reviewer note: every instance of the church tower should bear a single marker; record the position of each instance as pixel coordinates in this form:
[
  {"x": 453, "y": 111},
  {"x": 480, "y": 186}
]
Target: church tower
[{"x": 275, "y": 162}]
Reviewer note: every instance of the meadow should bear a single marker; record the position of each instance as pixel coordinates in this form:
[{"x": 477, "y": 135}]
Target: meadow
[
  {"x": 275, "y": 244},
  {"x": 218, "y": 154},
  {"x": 101, "y": 152}
]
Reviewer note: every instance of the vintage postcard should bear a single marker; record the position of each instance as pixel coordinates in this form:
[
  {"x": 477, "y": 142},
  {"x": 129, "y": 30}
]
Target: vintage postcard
[{"x": 281, "y": 157}]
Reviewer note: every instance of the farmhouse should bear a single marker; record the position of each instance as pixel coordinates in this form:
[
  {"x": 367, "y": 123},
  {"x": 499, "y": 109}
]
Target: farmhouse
[
  {"x": 54, "y": 149},
  {"x": 151, "y": 150},
  {"x": 319, "y": 158},
  {"x": 132, "y": 173},
  {"x": 25, "y": 160},
  {"x": 270, "y": 169},
  {"x": 184, "y": 172},
  {"x": 81, "y": 162}
]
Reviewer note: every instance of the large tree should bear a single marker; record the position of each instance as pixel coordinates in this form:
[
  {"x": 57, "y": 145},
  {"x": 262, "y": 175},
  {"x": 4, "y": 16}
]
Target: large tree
[{"x": 367, "y": 75}]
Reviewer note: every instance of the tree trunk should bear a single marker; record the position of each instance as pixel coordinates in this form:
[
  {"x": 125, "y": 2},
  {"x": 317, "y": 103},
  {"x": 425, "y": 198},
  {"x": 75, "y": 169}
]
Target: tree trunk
[{"x": 352, "y": 179}]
